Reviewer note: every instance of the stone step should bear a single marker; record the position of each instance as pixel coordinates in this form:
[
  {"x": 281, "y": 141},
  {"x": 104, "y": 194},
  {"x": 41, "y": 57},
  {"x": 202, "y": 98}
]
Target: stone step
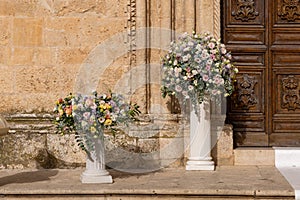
[
  {"x": 226, "y": 182},
  {"x": 254, "y": 156},
  {"x": 139, "y": 197}
]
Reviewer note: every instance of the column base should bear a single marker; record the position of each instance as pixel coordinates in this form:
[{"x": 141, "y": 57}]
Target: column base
[
  {"x": 101, "y": 176},
  {"x": 208, "y": 165}
]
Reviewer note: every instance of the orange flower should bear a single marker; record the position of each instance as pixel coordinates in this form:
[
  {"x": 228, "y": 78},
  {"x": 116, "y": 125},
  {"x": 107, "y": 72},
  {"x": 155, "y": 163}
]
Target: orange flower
[{"x": 68, "y": 110}]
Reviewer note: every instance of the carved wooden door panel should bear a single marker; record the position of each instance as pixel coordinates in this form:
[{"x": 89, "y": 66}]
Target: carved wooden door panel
[{"x": 264, "y": 38}]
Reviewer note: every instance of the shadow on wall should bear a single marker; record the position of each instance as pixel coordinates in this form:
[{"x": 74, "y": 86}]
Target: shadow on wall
[
  {"x": 46, "y": 160},
  {"x": 28, "y": 177}
]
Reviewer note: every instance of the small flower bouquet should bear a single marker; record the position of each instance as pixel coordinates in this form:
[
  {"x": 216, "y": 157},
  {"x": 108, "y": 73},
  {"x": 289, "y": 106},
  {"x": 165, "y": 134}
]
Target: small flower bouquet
[
  {"x": 197, "y": 66},
  {"x": 87, "y": 116}
]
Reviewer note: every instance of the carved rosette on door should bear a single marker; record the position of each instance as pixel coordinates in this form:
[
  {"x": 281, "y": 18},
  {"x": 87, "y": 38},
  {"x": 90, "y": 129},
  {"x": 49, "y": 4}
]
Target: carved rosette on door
[
  {"x": 245, "y": 10},
  {"x": 246, "y": 97},
  {"x": 290, "y": 98},
  {"x": 289, "y": 10}
]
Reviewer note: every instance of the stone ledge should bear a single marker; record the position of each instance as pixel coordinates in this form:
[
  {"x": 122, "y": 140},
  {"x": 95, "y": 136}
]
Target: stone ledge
[{"x": 254, "y": 156}]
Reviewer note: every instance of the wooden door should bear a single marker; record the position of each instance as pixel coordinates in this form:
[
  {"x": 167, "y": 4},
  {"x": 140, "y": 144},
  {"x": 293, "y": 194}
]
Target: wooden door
[{"x": 264, "y": 38}]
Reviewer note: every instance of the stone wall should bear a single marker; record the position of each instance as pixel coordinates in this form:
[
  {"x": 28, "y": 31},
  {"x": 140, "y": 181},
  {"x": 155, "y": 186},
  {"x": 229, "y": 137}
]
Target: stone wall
[{"x": 50, "y": 48}]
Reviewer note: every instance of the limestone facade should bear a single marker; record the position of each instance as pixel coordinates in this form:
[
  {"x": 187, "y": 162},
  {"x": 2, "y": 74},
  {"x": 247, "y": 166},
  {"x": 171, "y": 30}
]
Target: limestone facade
[{"x": 50, "y": 48}]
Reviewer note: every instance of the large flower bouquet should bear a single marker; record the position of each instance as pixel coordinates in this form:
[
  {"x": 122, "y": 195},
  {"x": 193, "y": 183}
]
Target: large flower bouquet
[
  {"x": 197, "y": 66},
  {"x": 87, "y": 116}
]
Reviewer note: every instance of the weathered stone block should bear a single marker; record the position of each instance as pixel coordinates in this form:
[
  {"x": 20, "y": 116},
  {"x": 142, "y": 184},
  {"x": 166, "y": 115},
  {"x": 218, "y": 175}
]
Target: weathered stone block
[
  {"x": 72, "y": 56},
  {"x": 95, "y": 30},
  {"x": 5, "y": 31},
  {"x": 65, "y": 150},
  {"x": 27, "y": 31},
  {"x": 45, "y": 57},
  {"x": 24, "y": 8},
  {"x": 223, "y": 150},
  {"x": 11, "y": 103},
  {"x": 7, "y": 8},
  {"x": 5, "y": 55},
  {"x": 36, "y": 79},
  {"x": 18, "y": 151},
  {"x": 171, "y": 150},
  {"x": 6, "y": 77},
  {"x": 148, "y": 145},
  {"x": 61, "y": 32},
  {"x": 22, "y": 56}
]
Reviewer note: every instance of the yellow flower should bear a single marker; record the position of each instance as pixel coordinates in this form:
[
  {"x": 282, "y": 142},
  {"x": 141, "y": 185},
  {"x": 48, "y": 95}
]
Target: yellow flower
[
  {"x": 108, "y": 122},
  {"x": 108, "y": 106},
  {"x": 75, "y": 107},
  {"x": 60, "y": 111},
  {"x": 93, "y": 129}
]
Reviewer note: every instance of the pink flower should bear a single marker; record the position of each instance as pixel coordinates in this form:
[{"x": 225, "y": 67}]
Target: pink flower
[
  {"x": 178, "y": 88},
  {"x": 211, "y": 45},
  {"x": 208, "y": 67},
  {"x": 214, "y": 92},
  {"x": 86, "y": 115},
  {"x": 185, "y": 93},
  {"x": 190, "y": 87},
  {"x": 205, "y": 77}
]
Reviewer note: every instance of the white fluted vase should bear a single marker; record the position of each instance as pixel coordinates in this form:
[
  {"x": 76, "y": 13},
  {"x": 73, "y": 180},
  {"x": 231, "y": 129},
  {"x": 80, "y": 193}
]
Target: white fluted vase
[
  {"x": 95, "y": 165},
  {"x": 200, "y": 138}
]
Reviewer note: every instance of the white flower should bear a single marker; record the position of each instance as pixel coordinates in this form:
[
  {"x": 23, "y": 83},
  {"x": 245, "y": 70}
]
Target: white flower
[
  {"x": 223, "y": 51},
  {"x": 194, "y": 72},
  {"x": 209, "y": 62},
  {"x": 204, "y": 55},
  {"x": 195, "y": 82},
  {"x": 175, "y": 62},
  {"x": 199, "y": 47},
  {"x": 84, "y": 124},
  {"x": 190, "y": 87},
  {"x": 213, "y": 51},
  {"x": 185, "y": 58},
  {"x": 185, "y": 78},
  {"x": 198, "y": 60},
  {"x": 186, "y": 49},
  {"x": 176, "y": 70}
]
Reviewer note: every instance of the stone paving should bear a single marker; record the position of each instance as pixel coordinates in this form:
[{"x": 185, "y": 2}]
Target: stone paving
[{"x": 226, "y": 182}]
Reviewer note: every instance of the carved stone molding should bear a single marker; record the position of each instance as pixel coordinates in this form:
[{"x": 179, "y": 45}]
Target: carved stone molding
[
  {"x": 131, "y": 24},
  {"x": 289, "y": 10},
  {"x": 217, "y": 17},
  {"x": 245, "y": 10},
  {"x": 246, "y": 97},
  {"x": 290, "y": 98}
]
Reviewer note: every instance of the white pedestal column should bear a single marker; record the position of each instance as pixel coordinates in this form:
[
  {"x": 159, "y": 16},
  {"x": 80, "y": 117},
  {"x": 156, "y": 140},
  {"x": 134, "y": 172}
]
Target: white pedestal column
[
  {"x": 95, "y": 166},
  {"x": 200, "y": 139}
]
